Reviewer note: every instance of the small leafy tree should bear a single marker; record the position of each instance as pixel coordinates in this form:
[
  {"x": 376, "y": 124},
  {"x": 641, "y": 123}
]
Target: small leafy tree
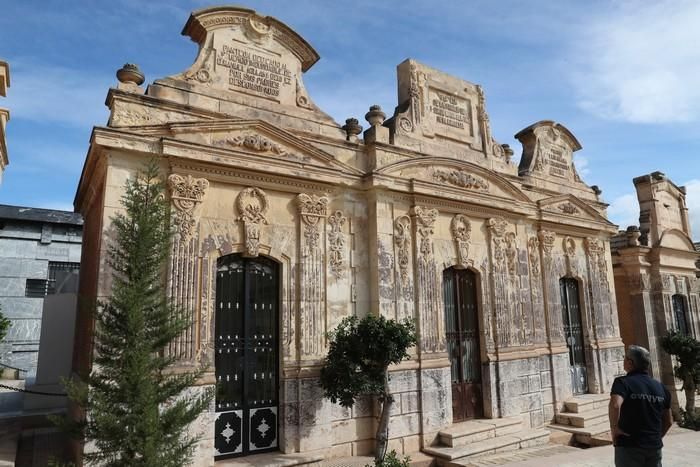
[
  {"x": 137, "y": 410},
  {"x": 357, "y": 364},
  {"x": 687, "y": 352}
]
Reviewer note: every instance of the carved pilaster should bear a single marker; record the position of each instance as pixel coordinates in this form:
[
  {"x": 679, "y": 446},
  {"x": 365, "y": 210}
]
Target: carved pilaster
[
  {"x": 505, "y": 288},
  {"x": 312, "y": 211},
  {"x": 336, "y": 244},
  {"x": 552, "y": 296},
  {"x": 186, "y": 193},
  {"x": 252, "y": 204},
  {"x": 428, "y": 286},
  {"x": 461, "y": 233}
]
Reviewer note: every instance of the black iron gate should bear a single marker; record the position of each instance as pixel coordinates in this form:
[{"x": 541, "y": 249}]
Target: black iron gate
[
  {"x": 246, "y": 356},
  {"x": 573, "y": 333},
  {"x": 462, "y": 329}
]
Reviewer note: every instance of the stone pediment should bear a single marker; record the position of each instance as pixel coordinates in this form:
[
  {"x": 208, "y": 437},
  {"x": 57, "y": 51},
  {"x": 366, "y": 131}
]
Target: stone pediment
[
  {"x": 548, "y": 149},
  {"x": 250, "y": 136},
  {"x": 249, "y": 54},
  {"x": 571, "y": 207},
  {"x": 677, "y": 240},
  {"x": 455, "y": 175}
]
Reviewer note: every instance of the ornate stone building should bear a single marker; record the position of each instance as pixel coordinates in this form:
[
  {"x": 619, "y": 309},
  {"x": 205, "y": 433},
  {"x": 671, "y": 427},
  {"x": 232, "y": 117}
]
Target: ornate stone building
[
  {"x": 655, "y": 274},
  {"x": 288, "y": 222},
  {"x": 4, "y": 116}
]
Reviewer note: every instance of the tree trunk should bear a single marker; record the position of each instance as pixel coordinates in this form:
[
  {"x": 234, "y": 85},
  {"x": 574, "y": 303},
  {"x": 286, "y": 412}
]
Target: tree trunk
[
  {"x": 689, "y": 387},
  {"x": 383, "y": 428}
]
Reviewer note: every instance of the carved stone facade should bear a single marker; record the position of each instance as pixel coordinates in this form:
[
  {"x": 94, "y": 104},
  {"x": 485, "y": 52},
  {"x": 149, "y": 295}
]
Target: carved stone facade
[
  {"x": 655, "y": 269},
  {"x": 360, "y": 225}
]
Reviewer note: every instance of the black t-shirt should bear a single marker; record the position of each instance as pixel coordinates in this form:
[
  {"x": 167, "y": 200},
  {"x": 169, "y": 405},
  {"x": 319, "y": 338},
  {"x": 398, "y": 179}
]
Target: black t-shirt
[{"x": 645, "y": 400}]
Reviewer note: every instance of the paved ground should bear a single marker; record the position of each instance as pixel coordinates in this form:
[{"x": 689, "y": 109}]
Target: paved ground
[{"x": 681, "y": 449}]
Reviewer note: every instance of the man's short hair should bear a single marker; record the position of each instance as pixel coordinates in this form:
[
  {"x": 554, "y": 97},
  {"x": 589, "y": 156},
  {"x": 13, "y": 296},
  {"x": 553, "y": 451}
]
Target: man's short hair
[{"x": 639, "y": 356}]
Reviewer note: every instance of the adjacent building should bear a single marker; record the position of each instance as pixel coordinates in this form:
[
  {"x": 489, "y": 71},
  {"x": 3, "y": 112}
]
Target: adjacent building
[
  {"x": 39, "y": 256},
  {"x": 4, "y": 116},
  {"x": 287, "y": 222},
  {"x": 655, "y": 267}
]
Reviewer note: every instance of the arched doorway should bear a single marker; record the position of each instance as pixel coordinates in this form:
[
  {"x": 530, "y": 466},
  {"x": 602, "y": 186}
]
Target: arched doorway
[
  {"x": 246, "y": 355},
  {"x": 462, "y": 329},
  {"x": 573, "y": 333}
]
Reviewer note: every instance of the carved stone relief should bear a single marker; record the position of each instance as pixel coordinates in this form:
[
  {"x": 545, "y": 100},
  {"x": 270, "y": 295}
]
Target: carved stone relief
[
  {"x": 252, "y": 204},
  {"x": 461, "y": 179},
  {"x": 568, "y": 208},
  {"x": 312, "y": 209},
  {"x": 547, "y": 241},
  {"x": 533, "y": 250},
  {"x": 425, "y": 223},
  {"x": 569, "y": 247},
  {"x": 461, "y": 232},
  {"x": 186, "y": 193},
  {"x": 511, "y": 253},
  {"x": 336, "y": 244},
  {"x": 402, "y": 239}
]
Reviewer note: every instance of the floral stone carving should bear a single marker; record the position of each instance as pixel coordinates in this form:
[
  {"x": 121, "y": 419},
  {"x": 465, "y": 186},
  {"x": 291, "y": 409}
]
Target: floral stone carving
[
  {"x": 336, "y": 243},
  {"x": 254, "y": 142},
  {"x": 425, "y": 223},
  {"x": 533, "y": 250},
  {"x": 402, "y": 239},
  {"x": 461, "y": 178},
  {"x": 311, "y": 208},
  {"x": 252, "y": 204},
  {"x": 461, "y": 232},
  {"x": 547, "y": 238},
  {"x": 186, "y": 193}
]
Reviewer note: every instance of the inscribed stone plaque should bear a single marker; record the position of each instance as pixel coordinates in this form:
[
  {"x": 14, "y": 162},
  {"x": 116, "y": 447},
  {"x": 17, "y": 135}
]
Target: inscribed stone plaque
[{"x": 243, "y": 52}]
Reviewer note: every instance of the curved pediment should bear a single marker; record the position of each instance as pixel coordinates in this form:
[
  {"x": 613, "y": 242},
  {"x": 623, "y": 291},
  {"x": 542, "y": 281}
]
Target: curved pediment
[
  {"x": 676, "y": 239},
  {"x": 456, "y": 174}
]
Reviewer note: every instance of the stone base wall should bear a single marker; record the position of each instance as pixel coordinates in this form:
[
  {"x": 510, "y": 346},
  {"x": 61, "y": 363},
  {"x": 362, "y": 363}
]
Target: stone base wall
[{"x": 525, "y": 389}]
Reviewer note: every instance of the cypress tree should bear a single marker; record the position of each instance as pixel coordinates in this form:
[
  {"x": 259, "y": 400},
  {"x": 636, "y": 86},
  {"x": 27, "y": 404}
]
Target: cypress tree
[{"x": 137, "y": 409}]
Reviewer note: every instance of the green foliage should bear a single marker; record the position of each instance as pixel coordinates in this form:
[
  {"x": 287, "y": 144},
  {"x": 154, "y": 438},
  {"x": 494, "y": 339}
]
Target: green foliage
[
  {"x": 391, "y": 460},
  {"x": 138, "y": 410},
  {"x": 359, "y": 354},
  {"x": 687, "y": 351},
  {"x": 4, "y": 325}
]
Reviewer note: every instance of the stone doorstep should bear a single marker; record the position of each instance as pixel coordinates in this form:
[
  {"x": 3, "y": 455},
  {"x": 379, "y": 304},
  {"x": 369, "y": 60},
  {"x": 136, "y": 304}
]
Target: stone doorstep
[
  {"x": 586, "y": 402},
  {"x": 590, "y": 417},
  {"x": 275, "y": 459},
  {"x": 525, "y": 438},
  {"x": 463, "y": 433}
]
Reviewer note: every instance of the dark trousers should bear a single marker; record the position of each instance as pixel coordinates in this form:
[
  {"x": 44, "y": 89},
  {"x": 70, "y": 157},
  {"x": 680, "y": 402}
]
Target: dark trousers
[{"x": 637, "y": 457}]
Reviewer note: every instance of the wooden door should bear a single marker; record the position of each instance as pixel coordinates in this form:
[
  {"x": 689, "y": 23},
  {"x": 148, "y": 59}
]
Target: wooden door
[
  {"x": 246, "y": 356},
  {"x": 462, "y": 328},
  {"x": 573, "y": 333}
]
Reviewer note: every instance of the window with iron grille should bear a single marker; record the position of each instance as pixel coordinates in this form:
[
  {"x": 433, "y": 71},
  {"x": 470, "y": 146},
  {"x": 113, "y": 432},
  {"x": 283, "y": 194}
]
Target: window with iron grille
[
  {"x": 36, "y": 288},
  {"x": 679, "y": 310},
  {"x": 63, "y": 277}
]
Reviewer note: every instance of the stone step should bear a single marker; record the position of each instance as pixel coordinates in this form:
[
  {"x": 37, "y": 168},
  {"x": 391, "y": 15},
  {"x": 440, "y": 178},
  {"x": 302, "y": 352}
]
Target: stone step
[
  {"x": 587, "y": 418},
  {"x": 275, "y": 459},
  {"x": 463, "y": 455},
  {"x": 592, "y": 435},
  {"x": 463, "y": 433},
  {"x": 521, "y": 455},
  {"x": 586, "y": 402}
]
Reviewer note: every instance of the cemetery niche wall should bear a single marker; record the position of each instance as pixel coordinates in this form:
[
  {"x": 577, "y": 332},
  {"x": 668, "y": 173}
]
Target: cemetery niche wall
[{"x": 287, "y": 222}]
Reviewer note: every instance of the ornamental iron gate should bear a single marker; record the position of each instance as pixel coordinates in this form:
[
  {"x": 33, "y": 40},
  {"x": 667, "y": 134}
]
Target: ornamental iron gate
[
  {"x": 246, "y": 356},
  {"x": 462, "y": 326},
  {"x": 573, "y": 333},
  {"x": 680, "y": 313}
]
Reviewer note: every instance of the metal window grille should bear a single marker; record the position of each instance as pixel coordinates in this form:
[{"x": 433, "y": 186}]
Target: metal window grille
[
  {"x": 36, "y": 288},
  {"x": 63, "y": 277}
]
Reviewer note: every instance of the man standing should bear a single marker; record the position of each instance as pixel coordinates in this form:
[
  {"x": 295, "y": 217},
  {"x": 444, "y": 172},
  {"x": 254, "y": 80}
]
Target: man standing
[{"x": 640, "y": 413}]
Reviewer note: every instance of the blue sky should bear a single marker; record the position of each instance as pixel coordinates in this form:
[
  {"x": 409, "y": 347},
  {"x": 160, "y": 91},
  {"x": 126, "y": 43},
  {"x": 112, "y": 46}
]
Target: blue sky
[{"x": 623, "y": 76}]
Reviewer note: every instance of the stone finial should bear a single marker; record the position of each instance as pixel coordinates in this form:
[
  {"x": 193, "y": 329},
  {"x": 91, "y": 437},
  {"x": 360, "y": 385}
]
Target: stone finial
[
  {"x": 633, "y": 234},
  {"x": 375, "y": 116},
  {"x": 507, "y": 152},
  {"x": 130, "y": 73},
  {"x": 596, "y": 189},
  {"x": 352, "y": 128}
]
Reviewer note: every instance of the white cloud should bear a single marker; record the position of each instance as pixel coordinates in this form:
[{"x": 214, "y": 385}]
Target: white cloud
[
  {"x": 640, "y": 63},
  {"x": 58, "y": 94},
  {"x": 692, "y": 200},
  {"x": 624, "y": 210}
]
